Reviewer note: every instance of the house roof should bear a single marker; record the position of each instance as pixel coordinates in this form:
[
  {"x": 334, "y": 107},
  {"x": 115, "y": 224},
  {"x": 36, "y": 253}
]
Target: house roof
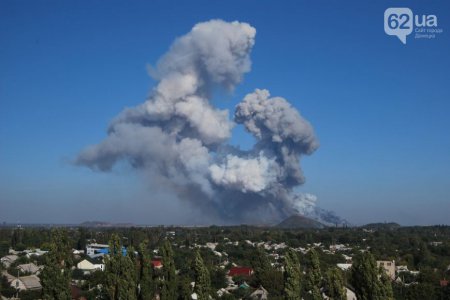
[
  {"x": 240, "y": 271},
  {"x": 31, "y": 282},
  {"x": 86, "y": 265},
  {"x": 31, "y": 268},
  {"x": 10, "y": 258},
  {"x": 344, "y": 267},
  {"x": 95, "y": 245},
  {"x": 156, "y": 263}
]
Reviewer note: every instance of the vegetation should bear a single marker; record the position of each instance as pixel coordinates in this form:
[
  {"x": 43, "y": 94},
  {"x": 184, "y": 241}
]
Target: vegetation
[
  {"x": 202, "y": 280},
  {"x": 146, "y": 284},
  {"x": 369, "y": 282},
  {"x": 55, "y": 277},
  {"x": 120, "y": 277},
  {"x": 335, "y": 284},
  {"x": 292, "y": 288},
  {"x": 186, "y": 258},
  {"x": 169, "y": 282},
  {"x": 314, "y": 275}
]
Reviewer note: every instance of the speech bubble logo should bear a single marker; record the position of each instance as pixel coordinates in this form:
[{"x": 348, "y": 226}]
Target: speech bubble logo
[{"x": 398, "y": 21}]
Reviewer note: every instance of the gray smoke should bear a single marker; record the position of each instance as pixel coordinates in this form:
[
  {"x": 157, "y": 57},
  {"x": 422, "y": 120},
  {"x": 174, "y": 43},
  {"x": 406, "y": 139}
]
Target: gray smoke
[{"x": 181, "y": 139}]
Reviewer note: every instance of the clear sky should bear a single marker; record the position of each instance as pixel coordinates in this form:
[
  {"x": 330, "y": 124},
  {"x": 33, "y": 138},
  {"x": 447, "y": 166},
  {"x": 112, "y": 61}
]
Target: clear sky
[{"x": 379, "y": 108}]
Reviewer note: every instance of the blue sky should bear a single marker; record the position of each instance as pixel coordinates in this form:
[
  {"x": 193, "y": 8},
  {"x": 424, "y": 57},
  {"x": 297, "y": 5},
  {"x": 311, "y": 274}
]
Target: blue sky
[{"x": 379, "y": 108}]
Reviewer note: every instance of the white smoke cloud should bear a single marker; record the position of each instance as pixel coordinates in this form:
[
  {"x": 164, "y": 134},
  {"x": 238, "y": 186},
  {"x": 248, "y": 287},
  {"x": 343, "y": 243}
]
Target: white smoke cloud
[
  {"x": 247, "y": 175},
  {"x": 179, "y": 136},
  {"x": 304, "y": 203},
  {"x": 274, "y": 119}
]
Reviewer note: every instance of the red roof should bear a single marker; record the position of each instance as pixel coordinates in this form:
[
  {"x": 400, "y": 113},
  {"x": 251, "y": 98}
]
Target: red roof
[
  {"x": 156, "y": 264},
  {"x": 443, "y": 282},
  {"x": 240, "y": 271}
]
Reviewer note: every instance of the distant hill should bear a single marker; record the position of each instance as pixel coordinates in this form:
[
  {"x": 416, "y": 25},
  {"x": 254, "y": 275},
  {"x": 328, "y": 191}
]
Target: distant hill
[
  {"x": 299, "y": 221},
  {"x": 375, "y": 226},
  {"x": 104, "y": 224}
]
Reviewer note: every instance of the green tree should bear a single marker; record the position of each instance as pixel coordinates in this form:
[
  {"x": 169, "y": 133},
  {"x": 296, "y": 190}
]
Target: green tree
[
  {"x": 184, "y": 288},
  {"x": 265, "y": 275},
  {"x": 146, "y": 283},
  {"x": 314, "y": 276},
  {"x": 386, "y": 286},
  {"x": 169, "y": 284},
  {"x": 367, "y": 279},
  {"x": 292, "y": 285},
  {"x": 202, "y": 280},
  {"x": 120, "y": 275},
  {"x": 4, "y": 248},
  {"x": 261, "y": 266},
  {"x": 81, "y": 243},
  {"x": 55, "y": 277},
  {"x": 335, "y": 285}
]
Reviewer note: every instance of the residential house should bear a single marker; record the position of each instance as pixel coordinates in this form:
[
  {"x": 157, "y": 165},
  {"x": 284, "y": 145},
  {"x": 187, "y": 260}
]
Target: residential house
[
  {"x": 88, "y": 266},
  {"x": 344, "y": 267},
  {"x": 339, "y": 247},
  {"x": 100, "y": 250},
  {"x": 29, "y": 268},
  {"x": 400, "y": 269},
  {"x": 34, "y": 252},
  {"x": 8, "y": 260},
  {"x": 156, "y": 264},
  {"x": 388, "y": 266},
  {"x": 26, "y": 283},
  {"x": 240, "y": 271},
  {"x": 211, "y": 246},
  {"x": 95, "y": 250}
]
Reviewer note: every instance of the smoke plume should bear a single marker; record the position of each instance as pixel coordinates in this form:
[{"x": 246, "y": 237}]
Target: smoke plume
[{"x": 181, "y": 139}]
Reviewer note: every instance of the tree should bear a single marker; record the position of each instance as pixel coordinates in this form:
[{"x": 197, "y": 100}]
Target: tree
[
  {"x": 120, "y": 275},
  {"x": 367, "y": 279},
  {"x": 265, "y": 275},
  {"x": 146, "y": 283},
  {"x": 218, "y": 279},
  {"x": 386, "y": 286},
  {"x": 4, "y": 248},
  {"x": 335, "y": 284},
  {"x": 202, "y": 280},
  {"x": 81, "y": 243},
  {"x": 261, "y": 265},
  {"x": 184, "y": 288},
  {"x": 292, "y": 286},
  {"x": 314, "y": 278},
  {"x": 169, "y": 284},
  {"x": 55, "y": 277}
]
